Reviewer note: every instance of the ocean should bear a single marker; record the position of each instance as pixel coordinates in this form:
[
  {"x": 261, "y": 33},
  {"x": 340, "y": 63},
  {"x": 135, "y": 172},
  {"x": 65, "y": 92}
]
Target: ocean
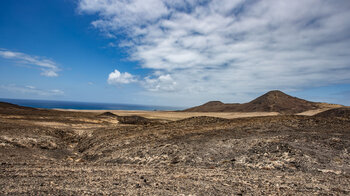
[{"x": 49, "y": 104}]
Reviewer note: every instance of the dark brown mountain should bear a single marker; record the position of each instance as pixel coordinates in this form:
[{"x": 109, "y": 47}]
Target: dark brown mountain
[
  {"x": 273, "y": 101},
  {"x": 214, "y": 106}
]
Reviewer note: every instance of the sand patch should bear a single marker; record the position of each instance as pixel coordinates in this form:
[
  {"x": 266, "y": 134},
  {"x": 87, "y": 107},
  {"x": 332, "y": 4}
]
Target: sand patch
[{"x": 173, "y": 115}]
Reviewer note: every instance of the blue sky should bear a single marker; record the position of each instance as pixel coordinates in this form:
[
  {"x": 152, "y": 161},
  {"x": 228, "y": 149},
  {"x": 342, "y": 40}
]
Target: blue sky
[{"x": 175, "y": 53}]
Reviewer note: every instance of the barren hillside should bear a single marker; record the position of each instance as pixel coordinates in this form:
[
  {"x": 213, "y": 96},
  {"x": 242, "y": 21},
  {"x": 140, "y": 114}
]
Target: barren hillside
[
  {"x": 75, "y": 153},
  {"x": 273, "y": 101}
]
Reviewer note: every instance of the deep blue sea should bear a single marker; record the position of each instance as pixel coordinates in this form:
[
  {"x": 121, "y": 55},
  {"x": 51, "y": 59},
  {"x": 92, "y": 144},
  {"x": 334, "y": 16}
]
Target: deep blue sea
[{"x": 49, "y": 104}]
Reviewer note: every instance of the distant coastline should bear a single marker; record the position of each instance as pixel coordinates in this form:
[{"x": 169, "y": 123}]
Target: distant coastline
[{"x": 51, "y": 104}]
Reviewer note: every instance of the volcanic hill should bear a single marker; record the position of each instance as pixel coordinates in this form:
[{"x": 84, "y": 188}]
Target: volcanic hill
[{"x": 273, "y": 101}]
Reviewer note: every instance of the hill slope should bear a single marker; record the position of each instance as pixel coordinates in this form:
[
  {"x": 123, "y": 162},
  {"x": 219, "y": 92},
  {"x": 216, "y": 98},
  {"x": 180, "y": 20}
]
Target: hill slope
[
  {"x": 5, "y": 105},
  {"x": 343, "y": 112},
  {"x": 273, "y": 101}
]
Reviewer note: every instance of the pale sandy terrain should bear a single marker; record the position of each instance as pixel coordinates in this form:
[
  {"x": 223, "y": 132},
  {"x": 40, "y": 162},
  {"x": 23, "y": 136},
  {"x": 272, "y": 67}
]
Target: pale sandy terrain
[{"x": 172, "y": 115}]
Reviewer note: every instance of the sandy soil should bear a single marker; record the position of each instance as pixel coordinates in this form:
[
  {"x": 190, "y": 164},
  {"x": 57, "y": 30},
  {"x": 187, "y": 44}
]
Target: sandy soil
[
  {"x": 172, "y": 115},
  {"x": 175, "y": 115}
]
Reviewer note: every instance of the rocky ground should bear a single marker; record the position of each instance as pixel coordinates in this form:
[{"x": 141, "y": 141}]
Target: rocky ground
[{"x": 56, "y": 152}]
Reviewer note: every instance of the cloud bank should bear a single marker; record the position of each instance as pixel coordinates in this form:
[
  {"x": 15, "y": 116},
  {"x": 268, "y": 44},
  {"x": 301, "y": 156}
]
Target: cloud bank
[
  {"x": 31, "y": 90},
  {"x": 201, "y": 49},
  {"x": 48, "y": 67}
]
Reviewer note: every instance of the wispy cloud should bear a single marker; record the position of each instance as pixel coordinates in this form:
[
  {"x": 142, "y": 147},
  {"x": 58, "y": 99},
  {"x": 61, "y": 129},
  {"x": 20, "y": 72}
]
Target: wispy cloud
[
  {"x": 28, "y": 89},
  {"x": 231, "y": 47},
  {"x": 47, "y": 66}
]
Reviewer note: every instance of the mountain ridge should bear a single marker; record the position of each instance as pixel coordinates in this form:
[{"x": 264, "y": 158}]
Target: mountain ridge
[{"x": 272, "y": 101}]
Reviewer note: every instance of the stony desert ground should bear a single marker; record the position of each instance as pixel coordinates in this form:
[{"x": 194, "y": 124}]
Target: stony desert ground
[{"x": 173, "y": 153}]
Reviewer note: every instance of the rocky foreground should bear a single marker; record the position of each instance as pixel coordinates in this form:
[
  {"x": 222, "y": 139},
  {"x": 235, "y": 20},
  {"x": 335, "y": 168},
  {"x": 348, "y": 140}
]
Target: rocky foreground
[{"x": 59, "y": 153}]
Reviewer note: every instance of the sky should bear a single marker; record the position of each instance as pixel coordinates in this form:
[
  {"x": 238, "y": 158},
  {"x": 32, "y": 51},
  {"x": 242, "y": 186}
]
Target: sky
[{"x": 174, "y": 52}]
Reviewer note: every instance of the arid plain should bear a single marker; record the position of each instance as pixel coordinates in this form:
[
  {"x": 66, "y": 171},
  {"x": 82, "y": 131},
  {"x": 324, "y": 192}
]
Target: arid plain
[{"x": 172, "y": 153}]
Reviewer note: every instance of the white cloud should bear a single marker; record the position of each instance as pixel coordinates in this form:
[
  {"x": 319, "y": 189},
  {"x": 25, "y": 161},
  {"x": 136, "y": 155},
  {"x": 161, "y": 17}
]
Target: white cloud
[
  {"x": 56, "y": 92},
  {"x": 31, "y": 90},
  {"x": 160, "y": 83},
  {"x": 229, "y": 48},
  {"x": 49, "y": 73},
  {"x": 47, "y": 66},
  {"x": 120, "y": 78}
]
